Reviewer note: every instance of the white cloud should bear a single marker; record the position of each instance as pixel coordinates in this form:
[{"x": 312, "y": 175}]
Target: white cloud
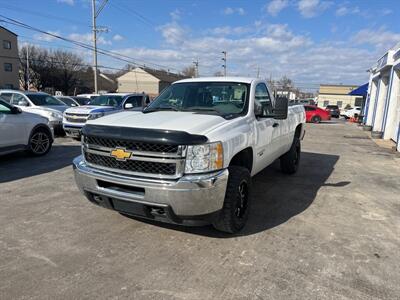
[
  {"x": 69, "y": 2},
  {"x": 275, "y": 48},
  {"x": 117, "y": 37},
  {"x": 275, "y": 6},
  {"x": 345, "y": 10},
  {"x": 87, "y": 38},
  {"x": 381, "y": 38},
  {"x": 312, "y": 8},
  {"x": 231, "y": 10},
  {"x": 45, "y": 37},
  {"x": 175, "y": 15},
  {"x": 173, "y": 33},
  {"x": 228, "y": 30}
]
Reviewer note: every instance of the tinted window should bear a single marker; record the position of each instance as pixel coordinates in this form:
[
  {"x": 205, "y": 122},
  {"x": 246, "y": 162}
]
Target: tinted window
[
  {"x": 107, "y": 100},
  {"x": 44, "y": 100},
  {"x": 309, "y": 108},
  {"x": 136, "y": 101},
  {"x": 81, "y": 100},
  {"x": 332, "y": 106},
  {"x": 263, "y": 99},
  {"x": 4, "y": 108},
  {"x": 67, "y": 101},
  {"x": 16, "y": 98},
  {"x": 6, "y": 97}
]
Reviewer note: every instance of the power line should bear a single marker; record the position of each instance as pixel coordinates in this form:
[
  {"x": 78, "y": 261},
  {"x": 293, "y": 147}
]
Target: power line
[{"x": 112, "y": 54}]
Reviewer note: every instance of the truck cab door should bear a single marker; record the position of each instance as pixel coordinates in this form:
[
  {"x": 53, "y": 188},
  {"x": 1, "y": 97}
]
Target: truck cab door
[{"x": 266, "y": 129}]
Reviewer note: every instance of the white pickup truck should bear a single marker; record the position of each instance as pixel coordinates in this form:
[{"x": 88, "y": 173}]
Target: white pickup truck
[{"x": 188, "y": 158}]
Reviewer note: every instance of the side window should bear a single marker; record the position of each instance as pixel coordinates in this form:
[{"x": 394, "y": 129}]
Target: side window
[
  {"x": 263, "y": 99},
  {"x": 16, "y": 98},
  {"x": 6, "y": 97},
  {"x": 136, "y": 101},
  {"x": 4, "y": 109},
  {"x": 309, "y": 108}
]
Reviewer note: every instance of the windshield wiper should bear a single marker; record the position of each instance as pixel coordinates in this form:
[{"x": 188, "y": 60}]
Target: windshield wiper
[
  {"x": 195, "y": 108},
  {"x": 159, "y": 109}
]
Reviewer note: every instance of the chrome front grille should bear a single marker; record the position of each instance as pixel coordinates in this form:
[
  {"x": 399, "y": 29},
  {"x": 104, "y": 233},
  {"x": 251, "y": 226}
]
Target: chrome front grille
[
  {"x": 76, "y": 118},
  {"x": 144, "y": 159}
]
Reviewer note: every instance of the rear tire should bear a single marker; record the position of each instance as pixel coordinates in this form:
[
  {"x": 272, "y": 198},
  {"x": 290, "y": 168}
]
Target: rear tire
[
  {"x": 40, "y": 142},
  {"x": 316, "y": 119},
  {"x": 291, "y": 159},
  {"x": 235, "y": 212}
]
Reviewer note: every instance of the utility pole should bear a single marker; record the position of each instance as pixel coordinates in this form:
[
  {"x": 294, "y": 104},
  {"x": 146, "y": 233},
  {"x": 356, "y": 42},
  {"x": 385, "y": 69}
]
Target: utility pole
[
  {"x": 224, "y": 60},
  {"x": 27, "y": 67},
  {"x": 95, "y": 14},
  {"x": 196, "y": 67}
]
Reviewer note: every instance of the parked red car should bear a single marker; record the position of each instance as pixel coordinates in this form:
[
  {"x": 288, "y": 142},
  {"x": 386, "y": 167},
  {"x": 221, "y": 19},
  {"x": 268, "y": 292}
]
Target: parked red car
[{"x": 315, "y": 114}]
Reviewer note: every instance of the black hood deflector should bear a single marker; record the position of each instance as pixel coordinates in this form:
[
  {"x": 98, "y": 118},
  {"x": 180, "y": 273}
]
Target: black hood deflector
[{"x": 144, "y": 135}]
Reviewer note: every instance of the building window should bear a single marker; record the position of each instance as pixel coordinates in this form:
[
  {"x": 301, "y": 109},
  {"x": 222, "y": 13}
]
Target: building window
[
  {"x": 7, "y": 67},
  {"x": 358, "y": 101},
  {"x": 339, "y": 104},
  {"x": 326, "y": 103},
  {"x": 8, "y": 86},
  {"x": 6, "y": 44}
]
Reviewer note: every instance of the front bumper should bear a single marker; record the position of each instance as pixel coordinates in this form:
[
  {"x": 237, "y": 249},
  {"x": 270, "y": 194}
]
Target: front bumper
[
  {"x": 190, "y": 200},
  {"x": 57, "y": 126},
  {"x": 73, "y": 130}
]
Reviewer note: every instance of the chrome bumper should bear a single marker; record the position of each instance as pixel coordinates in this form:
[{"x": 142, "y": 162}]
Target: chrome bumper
[{"x": 192, "y": 195}]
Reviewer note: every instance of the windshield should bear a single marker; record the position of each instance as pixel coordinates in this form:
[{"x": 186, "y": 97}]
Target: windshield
[
  {"x": 107, "y": 100},
  {"x": 221, "y": 98},
  {"x": 68, "y": 101},
  {"x": 44, "y": 100}
]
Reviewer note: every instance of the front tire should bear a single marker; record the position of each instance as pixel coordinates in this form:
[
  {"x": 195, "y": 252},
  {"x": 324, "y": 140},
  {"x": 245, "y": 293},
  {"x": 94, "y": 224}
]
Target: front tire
[
  {"x": 235, "y": 212},
  {"x": 316, "y": 119},
  {"x": 291, "y": 159},
  {"x": 40, "y": 142}
]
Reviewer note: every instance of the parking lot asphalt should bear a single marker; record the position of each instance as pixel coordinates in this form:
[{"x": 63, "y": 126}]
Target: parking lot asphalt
[{"x": 332, "y": 231}]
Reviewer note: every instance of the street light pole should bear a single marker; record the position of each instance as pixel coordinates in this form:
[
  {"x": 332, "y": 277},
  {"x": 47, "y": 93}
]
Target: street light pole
[
  {"x": 95, "y": 14},
  {"x": 224, "y": 60},
  {"x": 196, "y": 67},
  {"x": 94, "y": 29}
]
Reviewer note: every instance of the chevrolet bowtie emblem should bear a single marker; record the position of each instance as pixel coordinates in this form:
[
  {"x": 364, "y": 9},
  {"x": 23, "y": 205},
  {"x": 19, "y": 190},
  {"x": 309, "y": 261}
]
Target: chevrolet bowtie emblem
[{"x": 121, "y": 154}]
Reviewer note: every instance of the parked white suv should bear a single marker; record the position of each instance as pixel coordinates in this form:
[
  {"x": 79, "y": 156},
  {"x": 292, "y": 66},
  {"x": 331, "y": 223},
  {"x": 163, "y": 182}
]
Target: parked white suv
[
  {"x": 38, "y": 103},
  {"x": 23, "y": 131}
]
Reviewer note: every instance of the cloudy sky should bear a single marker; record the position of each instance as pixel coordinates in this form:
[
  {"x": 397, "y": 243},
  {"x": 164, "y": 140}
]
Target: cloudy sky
[{"x": 311, "y": 41}]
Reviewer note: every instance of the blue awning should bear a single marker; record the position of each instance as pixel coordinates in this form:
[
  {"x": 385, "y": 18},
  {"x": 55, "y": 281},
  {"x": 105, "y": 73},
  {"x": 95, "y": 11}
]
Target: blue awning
[{"x": 360, "y": 91}]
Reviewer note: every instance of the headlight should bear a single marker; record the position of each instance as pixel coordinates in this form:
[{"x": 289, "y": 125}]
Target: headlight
[
  {"x": 95, "y": 115},
  {"x": 204, "y": 158},
  {"x": 56, "y": 115}
]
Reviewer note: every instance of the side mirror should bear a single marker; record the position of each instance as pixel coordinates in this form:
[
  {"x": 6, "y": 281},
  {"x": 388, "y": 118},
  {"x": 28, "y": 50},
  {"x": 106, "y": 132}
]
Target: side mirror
[
  {"x": 258, "y": 109},
  {"x": 23, "y": 103},
  {"x": 16, "y": 110},
  {"x": 281, "y": 108},
  {"x": 128, "y": 106}
]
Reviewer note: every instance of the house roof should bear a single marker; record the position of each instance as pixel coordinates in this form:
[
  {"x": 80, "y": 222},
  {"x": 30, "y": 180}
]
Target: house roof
[
  {"x": 164, "y": 75},
  {"x": 1, "y": 27}
]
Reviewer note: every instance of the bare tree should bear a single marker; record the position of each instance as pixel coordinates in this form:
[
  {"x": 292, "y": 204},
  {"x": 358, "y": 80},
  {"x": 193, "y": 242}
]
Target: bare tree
[
  {"x": 189, "y": 71},
  {"x": 58, "y": 70}
]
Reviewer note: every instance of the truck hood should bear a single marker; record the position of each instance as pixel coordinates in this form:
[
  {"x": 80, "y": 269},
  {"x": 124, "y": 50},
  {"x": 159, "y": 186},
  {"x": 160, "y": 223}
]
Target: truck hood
[
  {"x": 87, "y": 109},
  {"x": 190, "y": 122},
  {"x": 59, "y": 108}
]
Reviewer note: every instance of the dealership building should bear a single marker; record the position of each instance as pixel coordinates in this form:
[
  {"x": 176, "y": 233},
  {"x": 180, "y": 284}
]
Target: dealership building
[{"x": 382, "y": 108}]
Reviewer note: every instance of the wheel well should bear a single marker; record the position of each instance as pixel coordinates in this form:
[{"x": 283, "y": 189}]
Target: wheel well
[
  {"x": 298, "y": 130},
  {"x": 243, "y": 159},
  {"x": 43, "y": 127}
]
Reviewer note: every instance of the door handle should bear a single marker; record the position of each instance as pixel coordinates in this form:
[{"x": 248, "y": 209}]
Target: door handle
[{"x": 275, "y": 125}]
